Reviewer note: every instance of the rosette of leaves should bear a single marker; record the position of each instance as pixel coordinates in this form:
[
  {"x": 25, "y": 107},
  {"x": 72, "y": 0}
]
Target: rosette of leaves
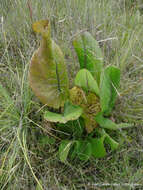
[{"x": 91, "y": 99}]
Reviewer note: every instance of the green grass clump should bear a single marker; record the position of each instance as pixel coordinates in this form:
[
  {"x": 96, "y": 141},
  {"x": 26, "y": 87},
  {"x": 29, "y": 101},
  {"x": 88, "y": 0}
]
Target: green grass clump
[{"x": 25, "y": 162}]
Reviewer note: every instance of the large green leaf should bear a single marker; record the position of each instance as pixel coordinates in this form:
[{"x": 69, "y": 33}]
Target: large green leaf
[
  {"x": 108, "y": 124},
  {"x": 109, "y": 84},
  {"x": 64, "y": 149},
  {"x": 47, "y": 73},
  {"x": 84, "y": 150},
  {"x": 98, "y": 149},
  {"x": 85, "y": 80},
  {"x": 108, "y": 140},
  {"x": 81, "y": 149},
  {"x": 113, "y": 144},
  {"x": 89, "y": 54},
  {"x": 71, "y": 112},
  {"x": 75, "y": 149}
]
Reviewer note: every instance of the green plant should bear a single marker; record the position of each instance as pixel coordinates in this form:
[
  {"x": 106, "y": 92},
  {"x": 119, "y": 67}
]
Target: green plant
[{"x": 83, "y": 110}]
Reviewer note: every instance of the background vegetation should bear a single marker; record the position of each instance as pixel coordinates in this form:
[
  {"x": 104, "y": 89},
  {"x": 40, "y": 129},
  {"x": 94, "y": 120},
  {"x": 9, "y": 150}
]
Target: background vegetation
[{"x": 25, "y": 162}]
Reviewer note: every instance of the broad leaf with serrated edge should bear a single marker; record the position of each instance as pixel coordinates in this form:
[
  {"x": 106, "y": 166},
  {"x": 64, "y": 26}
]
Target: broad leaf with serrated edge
[{"x": 47, "y": 73}]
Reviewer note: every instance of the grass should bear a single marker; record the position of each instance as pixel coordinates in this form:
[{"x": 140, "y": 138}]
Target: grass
[{"x": 24, "y": 162}]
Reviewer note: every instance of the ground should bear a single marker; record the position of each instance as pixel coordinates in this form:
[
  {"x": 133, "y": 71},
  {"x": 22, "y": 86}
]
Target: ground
[{"x": 25, "y": 164}]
